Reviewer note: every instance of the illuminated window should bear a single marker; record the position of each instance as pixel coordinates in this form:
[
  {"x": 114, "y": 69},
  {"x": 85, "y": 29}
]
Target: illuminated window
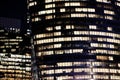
[
  {"x": 58, "y": 39},
  {"x": 4, "y": 50},
  {"x": 46, "y": 11},
  {"x": 100, "y": 76},
  {"x": 109, "y": 17},
  {"x": 109, "y": 28},
  {"x": 82, "y": 70},
  {"x": 49, "y": 17},
  {"x": 68, "y": 26},
  {"x": 62, "y": 10},
  {"x": 49, "y": 28},
  {"x": 84, "y": 9},
  {"x": 64, "y": 77},
  {"x": 77, "y": 50},
  {"x": 111, "y": 58},
  {"x": 114, "y": 77},
  {"x": 59, "y": 51},
  {"x": 83, "y": 77},
  {"x": 65, "y": 64},
  {"x": 48, "y": 1},
  {"x": 108, "y": 12},
  {"x": 49, "y": 5},
  {"x": 68, "y": 51},
  {"x": 57, "y": 33},
  {"x": 37, "y": 19},
  {"x": 102, "y": 57},
  {"x": 81, "y": 38},
  {"x": 101, "y": 70},
  {"x": 13, "y": 50},
  {"x": 45, "y": 53},
  {"x": 45, "y": 35},
  {"x": 72, "y": 4},
  {"x": 58, "y": 27},
  {"x": 92, "y": 15},
  {"x": 102, "y": 45},
  {"x": 118, "y": 64},
  {"x": 81, "y": 32},
  {"x": 32, "y": 3},
  {"x": 92, "y": 27},
  {"x": 78, "y": 15},
  {"x": 118, "y": 3},
  {"x": 50, "y": 11},
  {"x": 47, "y": 72},
  {"x": 57, "y": 45},
  {"x": 105, "y": 1}
]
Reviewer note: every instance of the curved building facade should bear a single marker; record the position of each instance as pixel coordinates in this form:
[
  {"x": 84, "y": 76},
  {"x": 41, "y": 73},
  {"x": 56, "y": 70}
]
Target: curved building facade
[{"x": 76, "y": 39}]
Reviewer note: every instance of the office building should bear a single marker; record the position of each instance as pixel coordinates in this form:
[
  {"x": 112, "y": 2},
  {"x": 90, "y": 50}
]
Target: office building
[
  {"x": 15, "y": 58},
  {"x": 76, "y": 39}
]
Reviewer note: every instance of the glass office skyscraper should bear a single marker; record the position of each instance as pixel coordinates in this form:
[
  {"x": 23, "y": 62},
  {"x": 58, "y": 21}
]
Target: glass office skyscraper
[{"x": 76, "y": 39}]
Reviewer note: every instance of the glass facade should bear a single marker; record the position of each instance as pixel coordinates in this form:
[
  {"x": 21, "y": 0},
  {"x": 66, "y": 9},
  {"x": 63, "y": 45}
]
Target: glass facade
[
  {"x": 15, "y": 62},
  {"x": 76, "y": 39}
]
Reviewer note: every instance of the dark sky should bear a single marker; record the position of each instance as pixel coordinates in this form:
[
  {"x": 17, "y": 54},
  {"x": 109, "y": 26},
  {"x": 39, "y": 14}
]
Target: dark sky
[{"x": 13, "y": 9}]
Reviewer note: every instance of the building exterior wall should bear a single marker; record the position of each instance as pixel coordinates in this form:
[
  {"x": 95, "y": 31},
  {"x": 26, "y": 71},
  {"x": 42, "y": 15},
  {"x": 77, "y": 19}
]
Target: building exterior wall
[{"x": 76, "y": 39}]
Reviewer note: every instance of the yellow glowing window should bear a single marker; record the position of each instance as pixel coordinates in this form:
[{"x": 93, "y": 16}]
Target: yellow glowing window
[
  {"x": 65, "y": 64},
  {"x": 68, "y": 51},
  {"x": 118, "y": 3},
  {"x": 13, "y": 50},
  {"x": 49, "y": 5},
  {"x": 83, "y": 77},
  {"x": 79, "y": 15},
  {"x": 32, "y": 3},
  {"x": 118, "y": 64},
  {"x": 57, "y": 33},
  {"x": 108, "y": 12},
  {"x": 114, "y": 77},
  {"x": 50, "y": 11},
  {"x": 77, "y": 50},
  {"x": 109, "y": 17},
  {"x": 64, "y": 78},
  {"x": 102, "y": 57},
  {"x": 82, "y": 70},
  {"x": 57, "y": 45},
  {"x": 59, "y": 52},
  {"x": 72, "y": 4},
  {"x": 92, "y": 27},
  {"x": 84, "y": 10},
  {"x": 58, "y": 27},
  {"x": 49, "y": 28},
  {"x": 81, "y": 32},
  {"x": 62, "y": 10},
  {"x": 48, "y": 1},
  {"x": 105, "y": 1},
  {"x": 109, "y": 28},
  {"x": 111, "y": 58},
  {"x": 46, "y": 12},
  {"x": 92, "y": 15},
  {"x": 37, "y": 19},
  {"x": 49, "y": 17},
  {"x": 101, "y": 76},
  {"x": 68, "y": 26}
]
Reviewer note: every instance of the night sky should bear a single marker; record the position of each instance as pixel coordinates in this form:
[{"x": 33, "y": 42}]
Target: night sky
[{"x": 14, "y": 9}]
